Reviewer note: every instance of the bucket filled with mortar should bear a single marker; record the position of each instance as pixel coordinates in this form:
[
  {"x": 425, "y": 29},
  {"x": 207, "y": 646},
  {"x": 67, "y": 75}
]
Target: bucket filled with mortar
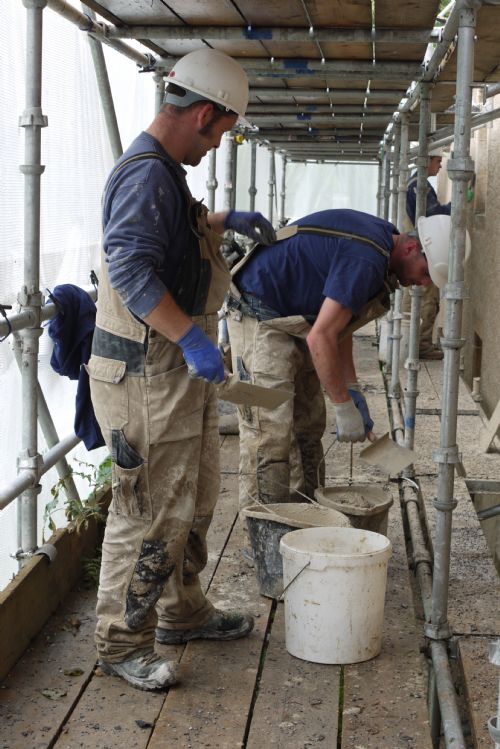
[
  {"x": 266, "y": 526},
  {"x": 365, "y": 505}
]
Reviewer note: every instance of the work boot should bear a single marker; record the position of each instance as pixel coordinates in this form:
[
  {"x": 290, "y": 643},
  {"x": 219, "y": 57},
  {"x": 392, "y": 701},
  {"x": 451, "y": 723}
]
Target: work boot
[
  {"x": 222, "y": 625},
  {"x": 146, "y": 670},
  {"x": 431, "y": 353}
]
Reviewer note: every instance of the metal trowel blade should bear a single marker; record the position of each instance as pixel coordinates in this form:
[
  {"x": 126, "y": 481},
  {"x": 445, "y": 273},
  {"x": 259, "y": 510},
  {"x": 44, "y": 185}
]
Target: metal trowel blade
[{"x": 388, "y": 455}]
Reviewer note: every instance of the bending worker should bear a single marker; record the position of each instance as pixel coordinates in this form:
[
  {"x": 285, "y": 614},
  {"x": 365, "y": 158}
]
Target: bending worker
[
  {"x": 429, "y": 305},
  {"x": 291, "y": 312},
  {"x": 152, "y": 373}
]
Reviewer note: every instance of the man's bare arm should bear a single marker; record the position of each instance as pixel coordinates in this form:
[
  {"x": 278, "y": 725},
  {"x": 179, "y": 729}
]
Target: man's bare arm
[{"x": 332, "y": 359}]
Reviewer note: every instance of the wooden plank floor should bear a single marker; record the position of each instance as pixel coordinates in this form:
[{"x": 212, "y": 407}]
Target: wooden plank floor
[{"x": 249, "y": 693}]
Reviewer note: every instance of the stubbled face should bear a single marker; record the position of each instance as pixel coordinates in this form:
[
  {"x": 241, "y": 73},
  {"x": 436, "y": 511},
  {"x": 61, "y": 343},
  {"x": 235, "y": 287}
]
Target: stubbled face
[
  {"x": 415, "y": 271},
  {"x": 408, "y": 262},
  {"x": 434, "y": 165},
  {"x": 209, "y": 138}
]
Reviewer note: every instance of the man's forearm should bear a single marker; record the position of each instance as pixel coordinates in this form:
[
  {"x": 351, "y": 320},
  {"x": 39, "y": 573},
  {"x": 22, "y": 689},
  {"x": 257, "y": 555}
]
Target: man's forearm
[
  {"x": 328, "y": 359},
  {"x": 168, "y": 319},
  {"x": 216, "y": 221},
  {"x": 332, "y": 359}
]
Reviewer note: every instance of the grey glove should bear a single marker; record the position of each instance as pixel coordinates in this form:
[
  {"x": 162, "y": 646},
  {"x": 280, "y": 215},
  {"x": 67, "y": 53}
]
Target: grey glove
[
  {"x": 354, "y": 390},
  {"x": 350, "y": 426}
]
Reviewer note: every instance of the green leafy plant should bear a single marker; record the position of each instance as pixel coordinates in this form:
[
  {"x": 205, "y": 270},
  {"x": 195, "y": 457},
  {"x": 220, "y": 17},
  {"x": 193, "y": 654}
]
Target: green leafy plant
[
  {"x": 91, "y": 568},
  {"x": 79, "y": 512}
]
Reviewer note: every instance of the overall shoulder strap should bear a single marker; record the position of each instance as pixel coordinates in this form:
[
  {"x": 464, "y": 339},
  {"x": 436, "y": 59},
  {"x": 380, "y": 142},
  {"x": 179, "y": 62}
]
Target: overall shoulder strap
[{"x": 289, "y": 231}]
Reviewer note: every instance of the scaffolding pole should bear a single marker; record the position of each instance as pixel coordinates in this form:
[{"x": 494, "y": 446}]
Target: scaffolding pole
[
  {"x": 30, "y": 297},
  {"x": 212, "y": 183},
  {"x": 283, "y": 190},
  {"x": 413, "y": 363},
  {"x": 272, "y": 185},
  {"x": 400, "y": 201},
  {"x": 229, "y": 172},
  {"x": 386, "y": 213},
  {"x": 104, "y": 87},
  {"x": 460, "y": 170},
  {"x": 252, "y": 190}
]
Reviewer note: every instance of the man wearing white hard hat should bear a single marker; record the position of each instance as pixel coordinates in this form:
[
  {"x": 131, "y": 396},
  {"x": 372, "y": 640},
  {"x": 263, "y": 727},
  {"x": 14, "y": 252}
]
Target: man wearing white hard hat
[
  {"x": 152, "y": 371},
  {"x": 429, "y": 306}
]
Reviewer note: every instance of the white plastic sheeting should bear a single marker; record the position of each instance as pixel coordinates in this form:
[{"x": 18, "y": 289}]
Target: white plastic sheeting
[{"x": 77, "y": 159}]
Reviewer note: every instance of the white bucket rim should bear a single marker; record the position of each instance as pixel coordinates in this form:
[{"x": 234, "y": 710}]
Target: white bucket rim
[
  {"x": 287, "y": 546},
  {"x": 314, "y": 515}
]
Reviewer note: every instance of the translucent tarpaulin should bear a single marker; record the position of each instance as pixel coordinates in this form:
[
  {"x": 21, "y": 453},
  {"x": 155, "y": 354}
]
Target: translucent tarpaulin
[{"x": 77, "y": 159}]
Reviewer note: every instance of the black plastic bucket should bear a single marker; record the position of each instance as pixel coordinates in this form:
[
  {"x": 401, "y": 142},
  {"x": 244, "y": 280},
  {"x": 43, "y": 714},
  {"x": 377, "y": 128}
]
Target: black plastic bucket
[{"x": 267, "y": 524}]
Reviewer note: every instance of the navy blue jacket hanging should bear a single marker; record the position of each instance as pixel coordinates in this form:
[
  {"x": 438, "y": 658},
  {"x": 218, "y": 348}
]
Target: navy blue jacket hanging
[{"x": 72, "y": 330}]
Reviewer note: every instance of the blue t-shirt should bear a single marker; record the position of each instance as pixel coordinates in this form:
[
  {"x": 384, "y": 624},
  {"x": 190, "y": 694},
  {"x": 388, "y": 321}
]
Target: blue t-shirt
[
  {"x": 144, "y": 224},
  {"x": 295, "y": 275}
]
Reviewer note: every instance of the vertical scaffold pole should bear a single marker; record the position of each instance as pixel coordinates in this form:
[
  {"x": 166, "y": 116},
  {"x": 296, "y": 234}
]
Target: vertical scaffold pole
[
  {"x": 460, "y": 170},
  {"x": 271, "y": 183},
  {"x": 252, "y": 190},
  {"x": 283, "y": 190},
  {"x": 395, "y": 390},
  {"x": 212, "y": 183},
  {"x": 380, "y": 187},
  {"x": 229, "y": 172},
  {"x": 30, "y": 297},
  {"x": 412, "y": 363},
  {"x": 387, "y": 203}
]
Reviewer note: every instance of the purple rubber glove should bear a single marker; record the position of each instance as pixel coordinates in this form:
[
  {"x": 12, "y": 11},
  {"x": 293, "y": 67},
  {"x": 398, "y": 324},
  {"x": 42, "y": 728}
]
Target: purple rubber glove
[
  {"x": 252, "y": 224},
  {"x": 202, "y": 357}
]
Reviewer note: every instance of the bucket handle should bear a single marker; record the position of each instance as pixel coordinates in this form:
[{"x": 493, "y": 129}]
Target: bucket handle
[
  {"x": 334, "y": 442},
  {"x": 283, "y": 486},
  {"x": 293, "y": 580}
]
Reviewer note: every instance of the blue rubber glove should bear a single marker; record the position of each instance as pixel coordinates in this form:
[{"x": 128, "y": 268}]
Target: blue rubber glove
[
  {"x": 202, "y": 357},
  {"x": 362, "y": 406},
  {"x": 252, "y": 224}
]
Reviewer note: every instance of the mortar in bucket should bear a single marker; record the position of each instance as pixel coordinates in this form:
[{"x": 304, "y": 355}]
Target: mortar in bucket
[
  {"x": 365, "y": 505},
  {"x": 335, "y": 581},
  {"x": 266, "y": 526}
]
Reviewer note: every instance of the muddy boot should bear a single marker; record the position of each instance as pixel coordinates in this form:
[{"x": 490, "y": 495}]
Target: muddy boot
[
  {"x": 222, "y": 625},
  {"x": 146, "y": 670}
]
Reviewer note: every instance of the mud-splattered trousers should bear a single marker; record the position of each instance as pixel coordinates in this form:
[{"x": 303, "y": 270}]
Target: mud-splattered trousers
[
  {"x": 161, "y": 427},
  {"x": 279, "y": 449}
]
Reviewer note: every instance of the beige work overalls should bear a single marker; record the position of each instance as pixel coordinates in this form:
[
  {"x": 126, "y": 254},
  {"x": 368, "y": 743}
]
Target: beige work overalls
[
  {"x": 281, "y": 450},
  {"x": 161, "y": 427}
]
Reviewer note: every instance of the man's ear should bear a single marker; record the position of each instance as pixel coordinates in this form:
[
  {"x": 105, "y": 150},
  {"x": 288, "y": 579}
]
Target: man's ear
[
  {"x": 204, "y": 114},
  {"x": 412, "y": 246}
]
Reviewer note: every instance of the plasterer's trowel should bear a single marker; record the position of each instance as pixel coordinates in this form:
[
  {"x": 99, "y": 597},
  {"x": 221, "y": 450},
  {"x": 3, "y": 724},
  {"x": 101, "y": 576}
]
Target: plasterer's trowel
[
  {"x": 236, "y": 391},
  {"x": 388, "y": 455}
]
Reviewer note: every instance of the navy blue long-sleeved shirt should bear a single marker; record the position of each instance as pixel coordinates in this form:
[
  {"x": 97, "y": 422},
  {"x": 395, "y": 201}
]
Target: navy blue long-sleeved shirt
[
  {"x": 144, "y": 225},
  {"x": 433, "y": 206}
]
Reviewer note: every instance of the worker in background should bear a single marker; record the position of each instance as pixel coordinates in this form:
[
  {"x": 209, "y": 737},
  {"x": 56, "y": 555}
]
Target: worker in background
[
  {"x": 152, "y": 372},
  {"x": 291, "y": 311},
  {"x": 429, "y": 305}
]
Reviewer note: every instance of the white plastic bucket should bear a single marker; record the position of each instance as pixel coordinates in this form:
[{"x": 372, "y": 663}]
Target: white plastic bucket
[{"x": 335, "y": 581}]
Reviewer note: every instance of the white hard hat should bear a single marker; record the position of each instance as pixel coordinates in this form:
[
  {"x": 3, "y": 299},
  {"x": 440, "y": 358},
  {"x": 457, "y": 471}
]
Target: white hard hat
[
  {"x": 212, "y": 76},
  {"x": 434, "y": 235},
  {"x": 436, "y": 152}
]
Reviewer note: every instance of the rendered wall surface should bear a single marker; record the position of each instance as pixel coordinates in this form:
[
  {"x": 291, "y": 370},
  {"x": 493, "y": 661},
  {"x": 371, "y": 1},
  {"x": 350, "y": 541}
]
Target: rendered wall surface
[{"x": 481, "y": 311}]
